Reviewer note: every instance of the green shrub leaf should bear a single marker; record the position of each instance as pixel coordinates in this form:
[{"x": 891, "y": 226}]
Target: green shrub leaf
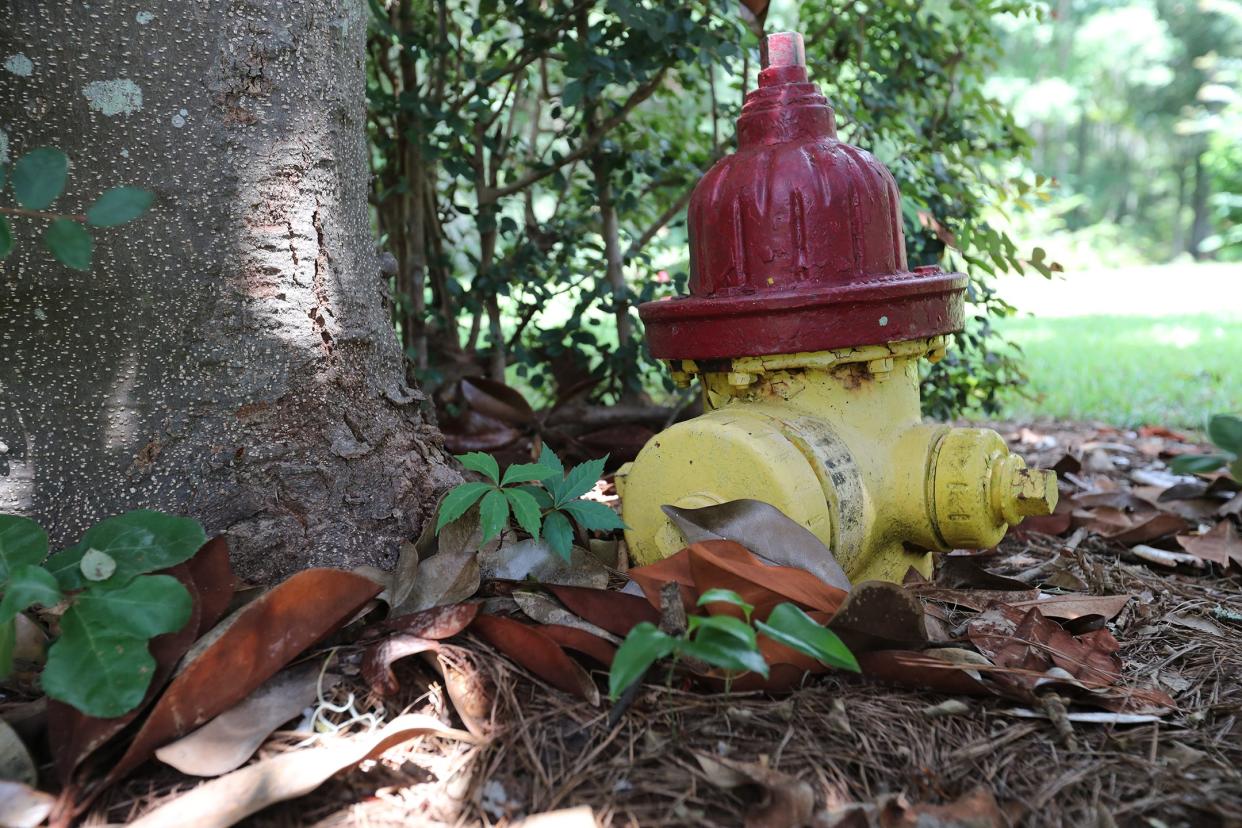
[
  {"x": 643, "y": 646},
  {"x": 484, "y": 464},
  {"x": 1197, "y": 463},
  {"x": 724, "y": 625},
  {"x": 96, "y": 565},
  {"x": 725, "y": 596},
  {"x": 140, "y": 541},
  {"x": 789, "y": 625},
  {"x": 119, "y": 205},
  {"x": 69, "y": 242},
  {"x": 1225, "y": 431},
  {"x": 22, "y": 542},
  {"x": 724, "y": 650},
  {"x": 559, "y": 534},
  {"x": 39, "y": 177},
  {"x": 6, "y": 237},
  {"x": 28, "y": 585},
  {"x": 593, "y": 515},
  {"x": 147, "y": 606},
  {"x": 525, "y": 510},
  {"x": 101, "y": 672},
  {"x": 8, "y": 638},
  {"x": 494, "y": 513},
  {"x": 66, "y": 568},
  {"x": 458, "y": 501}
]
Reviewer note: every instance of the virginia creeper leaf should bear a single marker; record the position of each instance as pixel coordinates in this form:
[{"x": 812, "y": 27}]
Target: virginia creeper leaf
[
  {"x": 593, "y": 515},
  {"x": 523, "y": 473},
  {"x": 493, "y": 513},
  {"x": 525, "y": 510},
  {"x": 580, "y": 480},
  {"x": 484, "y": 464},
  {"x": 559, "y": 534},
  {"x": 458, "y": 501}
]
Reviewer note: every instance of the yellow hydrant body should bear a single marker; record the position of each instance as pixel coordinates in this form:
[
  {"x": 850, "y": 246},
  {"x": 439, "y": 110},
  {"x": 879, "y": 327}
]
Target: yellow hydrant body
[{"x": 831, "y": 436}]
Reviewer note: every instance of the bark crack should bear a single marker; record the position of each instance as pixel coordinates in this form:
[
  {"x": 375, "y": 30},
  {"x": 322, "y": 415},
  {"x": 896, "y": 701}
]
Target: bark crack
[{"x": 322, "y": 310}]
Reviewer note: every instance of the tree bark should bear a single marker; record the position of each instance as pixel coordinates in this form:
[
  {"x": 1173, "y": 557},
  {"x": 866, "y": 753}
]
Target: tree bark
[{"x": 229, "y": 354}]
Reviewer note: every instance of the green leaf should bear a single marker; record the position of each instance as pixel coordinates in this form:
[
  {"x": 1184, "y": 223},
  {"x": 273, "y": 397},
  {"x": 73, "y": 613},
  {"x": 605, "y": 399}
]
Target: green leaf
[
  {"x": 28, "y": 585},
  {"x": 66, "y": 568},
  {"x": 22, "y": 542},
  {"x": 559, "y": 534},
  {"x": 8, "y": 638},
  {"x": 724, "y": 650},
  {"x": 96, "y": 565},
  {"x": 101, "y": 672},
  {"x": 119, "y": 205},
  {"x": 524, "y": 473},
  {"x": 549, "y": 460},
  {"x": 39, "y": 177},
  {"x": 458, "y": 501},
  {"x": 593, "y": 515},
  {"x": 580, "y": 480},
  {"x": 6, "y": 237},
  {"x": 140, "y": 541},
  {"x": 1225, "y": 430},
  {"x": 724, "y": 625},
  {"x": 725, "y": 596},
  {"x": 1197, "y": 463},
  {"x": 494, "y": 513},
  {"x": 147, "y": 606},
  {"x": 540, "y": 495},
  {"x": 70, "y": 243},
  {"x": 484, "y": 464},
  {"x": 789, "y": 625},
  {"x": 643, "y": 646},
  {"x": 525, "y": 510}
]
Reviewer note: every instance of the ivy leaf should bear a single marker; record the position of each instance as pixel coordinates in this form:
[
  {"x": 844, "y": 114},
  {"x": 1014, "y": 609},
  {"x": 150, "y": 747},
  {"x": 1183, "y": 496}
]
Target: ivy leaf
[
  {"x": 6, "y": 237},
  {"x": 119, "y": 205},
  {"x": 643, "y": 646},
  {"x": 559, "y": 534},
  {"x": 724, "y": 650},
  {"x": 716, "y": 595},
  {"x": 28, "y": 585},
  {"x": 493, "y": 513},
  {"x": 22, "y": 542},
  {"x": 484, "y": 464},
  {"x": 1225, "y": 430},
  {"x": 39, "y": 177},
  {"x": 525, "y": 510},
  {"x": 101, "y": 672},
  {"x": 139, "y": 541},
  {"x": 524, "y": 473},
  {"x": 69, "y": 242},
  {"x": 147, "y": 606},
  {"x": 1197, "y": 463},
  {"x": 593, "y": 515},
  {"x": 789, "y": 625},
  {"x": 580, "y": 480},
  {"x": 458, "y": 501}
]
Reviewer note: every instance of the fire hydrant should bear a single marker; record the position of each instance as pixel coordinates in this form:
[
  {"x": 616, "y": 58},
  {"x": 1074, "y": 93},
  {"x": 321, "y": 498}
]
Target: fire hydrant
[{"x": 805, "y": 328}]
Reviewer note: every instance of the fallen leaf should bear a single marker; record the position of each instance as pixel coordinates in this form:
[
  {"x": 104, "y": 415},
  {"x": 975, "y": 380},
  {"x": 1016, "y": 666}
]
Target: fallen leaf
[
  {"x": 943, "y": 669},
  {"x": 246, "y": 650},
  {"x": 879, "y": 615},
  {"x": 448, "y": 577},
  {"x": 378, "y": 660},
  {"x": 764, "y": 530},
  {"x": 615, "y": 612},
  {"x": 977, "y": 809},
  {"x": 541, "y": 608},
  {"x": 535, "y": 560},
  {"x": 783, "y": 801},
  {"x": 1164, "y": 557},
  {"x": 1131, "y": 528},
  {"x": 578, "y": 640},
  {"x": 967, "y": 572},
  {"x": 468, "y": 690},
  {"x": 227, "y": 741},
  {"x": 538, "y": 653},
  {"x": 1196, "y": 622},
  {"x": 1220, "y": 545},
  {"x": 229, "y": 799},
  {"x": 975, "y": 599},
  {"x": 1069, "y": 607},
  {"x": 1027, "y": 640},
  {"x": 436, "y": 623},
  {"x": 15, "y": 762},
  {"x": 21, "y": 806}
]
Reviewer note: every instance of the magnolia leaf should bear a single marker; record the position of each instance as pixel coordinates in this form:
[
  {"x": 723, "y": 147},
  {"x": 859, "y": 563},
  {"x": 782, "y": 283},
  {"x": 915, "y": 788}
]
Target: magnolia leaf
[
  {"x": 593, "y": 515},
  {"x": 458, "y": 501},
  {"x": 559, "y": 534},
  {"x": 484, "y": 464},
  {"x": 28, "y": 585},
  {"x": 96, "y": 565},
  {"x": 525, "y": 510},
  {"x": 22, "y": 542},
  {"x": 493, "y": 513},
  {"x": 69, "y": 242},
  {"x": 119, "y": 205},
  {"x": 643, "y": 646},
  {"x": 789, "y": 625},
  {"x": 39, "y": 177}
]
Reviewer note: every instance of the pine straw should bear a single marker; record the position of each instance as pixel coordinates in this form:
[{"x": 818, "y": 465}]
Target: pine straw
[{"x": 853, "y": 740}]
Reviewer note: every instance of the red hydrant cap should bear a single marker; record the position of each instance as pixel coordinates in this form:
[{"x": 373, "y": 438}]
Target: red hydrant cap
[{"x": 796, "y": 241}]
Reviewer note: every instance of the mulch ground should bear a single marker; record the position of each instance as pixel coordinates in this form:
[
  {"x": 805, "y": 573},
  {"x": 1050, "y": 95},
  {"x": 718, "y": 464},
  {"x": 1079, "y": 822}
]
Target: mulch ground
[{"x": 854, "y": 741}]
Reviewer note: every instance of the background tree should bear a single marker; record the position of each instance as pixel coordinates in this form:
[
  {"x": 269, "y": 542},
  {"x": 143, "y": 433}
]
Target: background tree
[{"x": 228, "y": 355}]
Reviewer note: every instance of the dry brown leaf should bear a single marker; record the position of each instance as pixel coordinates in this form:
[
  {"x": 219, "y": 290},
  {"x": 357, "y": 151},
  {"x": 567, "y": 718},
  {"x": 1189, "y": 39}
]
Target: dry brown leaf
[
  {"x": 782, "y": 801},
  {"x": 535, "y": 560},
  {"x": 227, "y": 741},
  {"x": 1220, "y": 545},
  {"x": 228, "y": 800},
  {"x": 1027, "y": 640}
]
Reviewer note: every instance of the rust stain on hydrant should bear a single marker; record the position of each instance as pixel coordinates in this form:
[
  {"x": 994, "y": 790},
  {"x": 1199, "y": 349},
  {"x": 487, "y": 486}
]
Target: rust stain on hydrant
[{"x": 804, "y": 327}]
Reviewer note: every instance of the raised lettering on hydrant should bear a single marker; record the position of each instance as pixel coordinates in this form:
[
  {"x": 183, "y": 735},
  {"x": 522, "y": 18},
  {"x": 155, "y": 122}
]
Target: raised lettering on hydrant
[{"x": 805, "y": 327}]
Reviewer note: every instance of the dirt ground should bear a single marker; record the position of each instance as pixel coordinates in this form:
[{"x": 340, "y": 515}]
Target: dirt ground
[{"x": 870, "y": 754}]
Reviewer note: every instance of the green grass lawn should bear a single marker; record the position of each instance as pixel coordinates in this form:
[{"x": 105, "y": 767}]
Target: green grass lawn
[{"x": 1130, "y": 370}]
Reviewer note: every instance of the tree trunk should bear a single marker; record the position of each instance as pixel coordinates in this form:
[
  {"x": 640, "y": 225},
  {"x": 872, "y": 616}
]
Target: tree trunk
[{"x": 229, "y": 354}]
